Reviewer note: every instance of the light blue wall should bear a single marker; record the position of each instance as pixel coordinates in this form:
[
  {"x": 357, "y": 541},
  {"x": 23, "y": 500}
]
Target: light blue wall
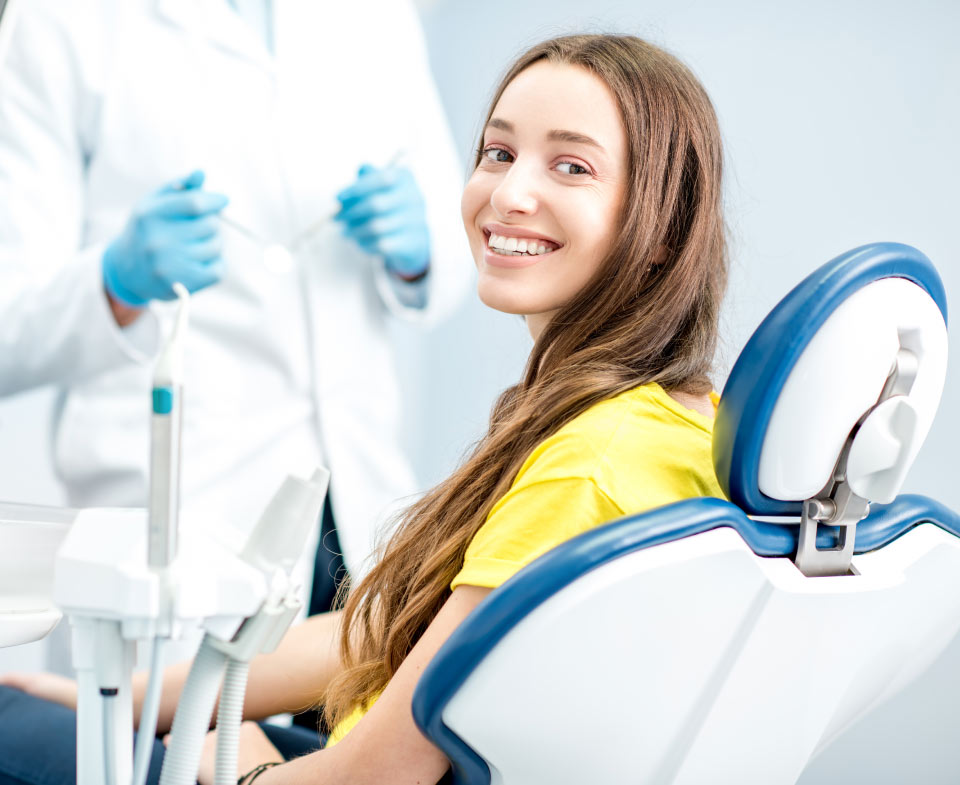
[{"x": 841, "y": 124}]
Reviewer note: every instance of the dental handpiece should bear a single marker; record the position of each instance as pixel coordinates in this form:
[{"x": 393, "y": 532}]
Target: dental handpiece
[{"x": 166, "y": 428}]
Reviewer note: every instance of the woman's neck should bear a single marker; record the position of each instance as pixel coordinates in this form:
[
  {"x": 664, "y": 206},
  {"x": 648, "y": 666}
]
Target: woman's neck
[
  {"x": 536, "y": 322},
  {"x": 698, "y": 403}
]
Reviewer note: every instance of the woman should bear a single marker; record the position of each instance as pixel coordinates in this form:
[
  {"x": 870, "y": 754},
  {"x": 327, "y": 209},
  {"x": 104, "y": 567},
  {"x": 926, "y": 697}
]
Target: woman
[{"x": 595, "y": 211}]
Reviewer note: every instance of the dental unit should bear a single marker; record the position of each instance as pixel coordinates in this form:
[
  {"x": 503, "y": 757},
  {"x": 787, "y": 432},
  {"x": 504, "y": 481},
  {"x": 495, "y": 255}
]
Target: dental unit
[{"x": 129, "y": 576}]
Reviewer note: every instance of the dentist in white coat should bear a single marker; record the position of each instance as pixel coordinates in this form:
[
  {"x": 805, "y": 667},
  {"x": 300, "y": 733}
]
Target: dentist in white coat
[{"x": 102, "y": 103}]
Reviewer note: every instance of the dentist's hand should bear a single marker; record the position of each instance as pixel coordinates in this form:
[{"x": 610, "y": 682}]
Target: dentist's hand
[
  {"x": 49, "y": 686},
  {"x": 384, "y": 212},
  {"x": 172, "y": 235}
]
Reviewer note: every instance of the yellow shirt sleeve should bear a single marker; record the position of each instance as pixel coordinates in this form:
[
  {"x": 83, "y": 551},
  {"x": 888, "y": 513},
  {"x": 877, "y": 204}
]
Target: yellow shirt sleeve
[{"x": 527, "y": 522}]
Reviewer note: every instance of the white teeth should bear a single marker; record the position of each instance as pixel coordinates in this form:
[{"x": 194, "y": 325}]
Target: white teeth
[{"x": 512, "y": 246}]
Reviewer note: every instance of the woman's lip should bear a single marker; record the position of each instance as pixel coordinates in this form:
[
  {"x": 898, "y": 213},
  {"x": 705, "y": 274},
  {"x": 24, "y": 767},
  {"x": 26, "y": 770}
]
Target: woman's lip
[{"x": 511, "y": 262}]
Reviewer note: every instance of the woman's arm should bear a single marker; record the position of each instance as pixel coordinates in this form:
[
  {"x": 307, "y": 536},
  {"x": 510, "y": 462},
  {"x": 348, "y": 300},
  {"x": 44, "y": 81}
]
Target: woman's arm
[
  {"x": 289, "y": 679},
  {"x": 292, "y": 678},
  {"x": 386, "y": 745}
]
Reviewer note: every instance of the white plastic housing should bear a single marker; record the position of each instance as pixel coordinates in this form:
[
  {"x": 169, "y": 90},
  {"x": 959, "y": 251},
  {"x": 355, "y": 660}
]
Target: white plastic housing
[
  {"x": 699, "y": 662},
  {"x": 102, "y": 571},
  {"x": 839, "y": 376},
  {"x": 29, "y": 539}
]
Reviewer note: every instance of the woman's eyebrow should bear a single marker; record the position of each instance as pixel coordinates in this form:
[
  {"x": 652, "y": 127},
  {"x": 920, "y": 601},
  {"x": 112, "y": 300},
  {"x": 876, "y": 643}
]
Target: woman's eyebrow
[
  {"x": 555, "y": 135},
  {"x": 573, "y": 137}
]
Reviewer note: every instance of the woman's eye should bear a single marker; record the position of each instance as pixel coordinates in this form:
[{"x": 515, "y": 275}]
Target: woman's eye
[
  {"x": 497, "y": 154},
  {"x": 568, "y": 167}
]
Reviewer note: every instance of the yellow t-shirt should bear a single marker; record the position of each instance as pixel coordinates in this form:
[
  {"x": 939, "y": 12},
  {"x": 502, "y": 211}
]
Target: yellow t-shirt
[
  {"x": 625, "y": 455},
  {"x": 637, "y": 451}
]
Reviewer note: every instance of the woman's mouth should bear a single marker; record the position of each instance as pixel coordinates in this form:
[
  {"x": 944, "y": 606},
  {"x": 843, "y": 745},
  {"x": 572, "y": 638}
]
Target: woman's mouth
[{"x": 519, "y": 246}]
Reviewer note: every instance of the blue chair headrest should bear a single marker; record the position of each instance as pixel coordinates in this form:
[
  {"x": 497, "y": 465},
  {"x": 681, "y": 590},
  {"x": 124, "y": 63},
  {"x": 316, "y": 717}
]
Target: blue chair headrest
[{"x": 761, "y": 371}]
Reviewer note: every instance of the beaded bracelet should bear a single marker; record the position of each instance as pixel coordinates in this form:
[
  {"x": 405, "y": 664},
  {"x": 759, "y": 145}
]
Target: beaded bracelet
[{"x": 250, "y": 776}]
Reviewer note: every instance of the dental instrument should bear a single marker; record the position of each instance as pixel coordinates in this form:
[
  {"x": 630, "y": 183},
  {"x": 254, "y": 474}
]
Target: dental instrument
[
  {"x": 334, "y": 208},
  {"x": 166, "y": 432},
  {"x": 248, "y": 233},
  {"x": 165, "y": 437},
  {"x": 279, "y": 258}
]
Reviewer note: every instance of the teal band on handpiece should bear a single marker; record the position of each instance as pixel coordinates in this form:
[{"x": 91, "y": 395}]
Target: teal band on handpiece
[{"x": 162, "y": 400}]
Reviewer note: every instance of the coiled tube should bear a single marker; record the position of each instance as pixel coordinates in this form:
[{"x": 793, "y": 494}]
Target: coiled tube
[
  {"x": 192, "y": 720},
  {"x": 229, "y": 717}
]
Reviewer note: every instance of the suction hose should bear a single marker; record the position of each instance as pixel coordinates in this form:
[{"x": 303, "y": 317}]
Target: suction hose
[
  {"x": 229, "y": 717},
  {"x": 192, "y": 720}
]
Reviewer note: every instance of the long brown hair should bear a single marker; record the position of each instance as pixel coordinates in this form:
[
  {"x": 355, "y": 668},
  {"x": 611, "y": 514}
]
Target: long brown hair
[{"x": 649, "y": 315}]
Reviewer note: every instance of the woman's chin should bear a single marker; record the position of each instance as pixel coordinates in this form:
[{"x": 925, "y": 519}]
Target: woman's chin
[{"x": 510, "y": 298}]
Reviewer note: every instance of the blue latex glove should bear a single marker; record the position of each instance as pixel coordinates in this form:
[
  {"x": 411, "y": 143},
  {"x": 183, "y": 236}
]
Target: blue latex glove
[
  {"x": 384, "y": 212},
  {"x": 172, "y": 235}
]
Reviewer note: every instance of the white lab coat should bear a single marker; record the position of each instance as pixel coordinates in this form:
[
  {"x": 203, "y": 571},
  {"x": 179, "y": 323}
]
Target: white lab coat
[{"x": 102, "y": 101}]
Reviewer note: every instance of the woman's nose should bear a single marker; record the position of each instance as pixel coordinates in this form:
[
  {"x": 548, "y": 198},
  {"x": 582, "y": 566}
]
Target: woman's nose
[{"x": 516, "y": 193}]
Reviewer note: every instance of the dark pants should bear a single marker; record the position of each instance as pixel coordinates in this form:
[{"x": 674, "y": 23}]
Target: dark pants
[
  {"x": 38, "y": 742},
  {"x": 38, "y": 739}
]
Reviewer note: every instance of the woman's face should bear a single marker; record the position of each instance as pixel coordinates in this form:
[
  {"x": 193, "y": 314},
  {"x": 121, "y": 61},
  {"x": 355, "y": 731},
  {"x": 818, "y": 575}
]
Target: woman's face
[{"x": 541, "y": 208}]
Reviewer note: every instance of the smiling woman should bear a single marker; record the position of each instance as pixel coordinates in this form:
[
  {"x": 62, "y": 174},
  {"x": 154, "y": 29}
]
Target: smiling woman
[
  {"x": 594, "y": 211},
  {"x": 540, "y": 185}
]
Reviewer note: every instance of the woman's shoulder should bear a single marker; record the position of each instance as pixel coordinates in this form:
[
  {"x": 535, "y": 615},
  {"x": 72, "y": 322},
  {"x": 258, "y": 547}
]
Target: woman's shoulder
[
  {"x": 618, "y": 433},
  {"x": 630, "y": 453}
]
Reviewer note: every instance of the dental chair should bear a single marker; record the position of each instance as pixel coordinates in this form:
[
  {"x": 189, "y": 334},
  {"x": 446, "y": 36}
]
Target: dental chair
[{"x": 714, "y": 641}]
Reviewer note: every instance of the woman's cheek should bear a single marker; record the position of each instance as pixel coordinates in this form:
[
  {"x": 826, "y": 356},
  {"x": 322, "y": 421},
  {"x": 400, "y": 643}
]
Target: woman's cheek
[
  {"x": 476, "y": 194},
  {"x": 600, "y": 220},
  {"x": 471, "y": 203}
]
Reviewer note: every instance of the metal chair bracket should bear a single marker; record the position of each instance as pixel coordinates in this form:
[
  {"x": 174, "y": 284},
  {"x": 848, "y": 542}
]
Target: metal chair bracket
[
  {"x": 836, "y": 505},
  {"x": 841, "y": 508}
]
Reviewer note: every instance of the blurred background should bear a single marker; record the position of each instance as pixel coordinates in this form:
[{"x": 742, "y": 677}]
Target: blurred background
[{"x": 841, "y": 122}]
